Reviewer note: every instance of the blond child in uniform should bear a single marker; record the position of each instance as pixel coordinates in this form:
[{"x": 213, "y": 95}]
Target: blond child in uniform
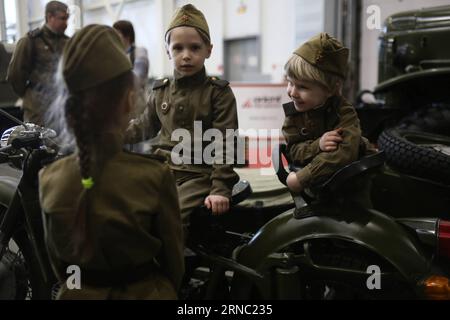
[
  {"x": 112, "y": 213},
  {"x": 321, "y": 128},
  {"x": 182, "y": 103}
]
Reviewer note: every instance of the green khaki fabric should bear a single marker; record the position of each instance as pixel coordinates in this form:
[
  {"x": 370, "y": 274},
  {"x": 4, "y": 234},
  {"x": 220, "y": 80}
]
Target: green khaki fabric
[
  {"x": 193, "y": 188},
  {"x": 134, "y": 218},
  {"x": 303, "y": 131},
  {"x": 32, "y": 69},
  {"x": 189, "y": 16},
  {"x": 326, "y": 53},
  {"x": 179, "y": 104},
  {"x": 93, "y": 56}
]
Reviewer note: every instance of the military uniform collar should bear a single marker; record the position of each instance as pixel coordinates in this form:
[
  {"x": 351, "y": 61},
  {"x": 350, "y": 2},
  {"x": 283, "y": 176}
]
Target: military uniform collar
[
  {"x": 197, "y": 78},
  {"x": 49, "y": 32},
  {"x": 332, "y": 103}
]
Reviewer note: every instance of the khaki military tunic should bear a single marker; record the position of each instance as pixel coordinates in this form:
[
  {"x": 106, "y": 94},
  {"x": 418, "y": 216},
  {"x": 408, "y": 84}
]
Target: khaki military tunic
[
  {"x": 182, "y": 104},
  {"x": 303, "y": 131},
  {"x": 134, "y": 223},
  {"x": 32, "y": 70}
]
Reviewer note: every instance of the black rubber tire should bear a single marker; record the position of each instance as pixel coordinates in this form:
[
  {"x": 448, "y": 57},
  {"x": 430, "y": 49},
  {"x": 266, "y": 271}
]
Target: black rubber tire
[
  {"x": 334, "y": 254},
  {"x": 435, "y": 119},
  {"x": 407, "y": 152},
  {"x": 337, "y": 254},
  {"x": 29, "y": 281}
]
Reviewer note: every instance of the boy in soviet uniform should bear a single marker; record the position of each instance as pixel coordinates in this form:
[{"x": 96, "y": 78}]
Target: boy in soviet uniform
[
  {"x": 35, "y": 61},
  {"x": 321, "y": 128},
  {"x": 112, "y": 213},
  {"x": 191, "y": 99}
]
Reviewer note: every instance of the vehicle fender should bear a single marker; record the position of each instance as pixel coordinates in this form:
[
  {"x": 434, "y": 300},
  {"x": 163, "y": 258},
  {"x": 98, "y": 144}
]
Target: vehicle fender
[{"x": 368, "y": 228}]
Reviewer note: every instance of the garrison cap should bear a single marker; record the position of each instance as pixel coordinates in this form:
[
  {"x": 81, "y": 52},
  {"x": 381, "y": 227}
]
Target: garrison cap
[
  {"x": 93, "y": 56},
  {"x": 325, "y": 53},
  {"x": 189, "y": 16}
]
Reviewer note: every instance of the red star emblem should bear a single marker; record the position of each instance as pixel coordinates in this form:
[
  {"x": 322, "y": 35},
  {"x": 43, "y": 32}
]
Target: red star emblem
[{"x": 185, "y": 18}]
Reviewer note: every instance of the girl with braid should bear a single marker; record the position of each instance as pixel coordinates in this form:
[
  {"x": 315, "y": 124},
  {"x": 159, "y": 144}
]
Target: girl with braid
[{"x": 111, "y": 213}]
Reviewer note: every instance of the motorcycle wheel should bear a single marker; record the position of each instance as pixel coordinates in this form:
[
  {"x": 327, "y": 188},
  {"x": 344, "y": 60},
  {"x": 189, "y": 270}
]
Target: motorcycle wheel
[
  {"x": 331, "y": 269},
  {"x": 20, "y": 275},
  {"x": 334, "y": 260},
  {"x": 417, "y": 153}
]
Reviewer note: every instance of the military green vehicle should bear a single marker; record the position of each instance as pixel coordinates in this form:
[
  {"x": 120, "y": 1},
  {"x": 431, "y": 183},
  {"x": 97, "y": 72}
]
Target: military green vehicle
[
  {"x": 8, "y": 98},
  {"x": 414, "y": 72},
  {"x": 411, "y": 119}
]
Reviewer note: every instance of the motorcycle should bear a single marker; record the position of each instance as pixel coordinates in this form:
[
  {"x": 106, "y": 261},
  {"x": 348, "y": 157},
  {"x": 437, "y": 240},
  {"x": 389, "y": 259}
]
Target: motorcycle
[
  {"x": 330, "y": 246},
  {"x": 25, "y": 271}
]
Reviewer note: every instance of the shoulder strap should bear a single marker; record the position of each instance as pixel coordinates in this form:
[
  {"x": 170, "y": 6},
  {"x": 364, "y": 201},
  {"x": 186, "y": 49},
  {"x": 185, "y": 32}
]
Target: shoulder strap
[
  {"x": 35, "y": 33},
  {"x": 148, "y": 156},
  {"x": 156, "y": 157},
  {"x": 219, "y": 83},
  {"x": 161, "y": 83}
]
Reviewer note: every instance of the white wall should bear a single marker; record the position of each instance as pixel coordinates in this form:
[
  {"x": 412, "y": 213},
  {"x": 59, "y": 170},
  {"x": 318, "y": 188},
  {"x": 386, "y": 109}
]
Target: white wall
[
  {"x": 310, "y": 19},
  {"x": 369, "y": 38},
  {"x": 242, "y": 18},
  {"x": 143, "y": 16},
  {"x": 278, "y": 36}
]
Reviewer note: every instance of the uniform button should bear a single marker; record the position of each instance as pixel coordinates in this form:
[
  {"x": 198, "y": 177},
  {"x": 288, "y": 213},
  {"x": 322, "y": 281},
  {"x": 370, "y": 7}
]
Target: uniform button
[{"x": 181, "y": 108}]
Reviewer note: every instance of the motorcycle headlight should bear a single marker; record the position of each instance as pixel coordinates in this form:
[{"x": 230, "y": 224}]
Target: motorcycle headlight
[{"x": 20, "y": 131}]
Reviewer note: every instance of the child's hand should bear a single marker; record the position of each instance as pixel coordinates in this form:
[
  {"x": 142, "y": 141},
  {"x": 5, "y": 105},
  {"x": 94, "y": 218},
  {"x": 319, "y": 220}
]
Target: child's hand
[
  {"x": 330, "y": 140},
  {"x": 218, "y": 204},
  {"x": 293, "y": 183}
]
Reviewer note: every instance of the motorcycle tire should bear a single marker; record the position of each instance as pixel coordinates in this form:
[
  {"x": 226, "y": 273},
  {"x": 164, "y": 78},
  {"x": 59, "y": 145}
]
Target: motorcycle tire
[
  {"x": 339, "y": 289},
  {"x": 325, "y": 274},
  {"x": 345, "y": 258},
  {"x": 23, "y": 279},
  {"x": 420, "y": 154}
]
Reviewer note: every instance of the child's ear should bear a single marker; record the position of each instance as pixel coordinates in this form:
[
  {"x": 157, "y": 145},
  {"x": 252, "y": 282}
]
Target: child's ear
[
  {"x": 168, "y": 53},
  {"x": 210, "y": 47}
]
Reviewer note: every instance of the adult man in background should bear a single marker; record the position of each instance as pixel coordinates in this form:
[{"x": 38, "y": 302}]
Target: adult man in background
[{"x": 35, "y": 60}]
